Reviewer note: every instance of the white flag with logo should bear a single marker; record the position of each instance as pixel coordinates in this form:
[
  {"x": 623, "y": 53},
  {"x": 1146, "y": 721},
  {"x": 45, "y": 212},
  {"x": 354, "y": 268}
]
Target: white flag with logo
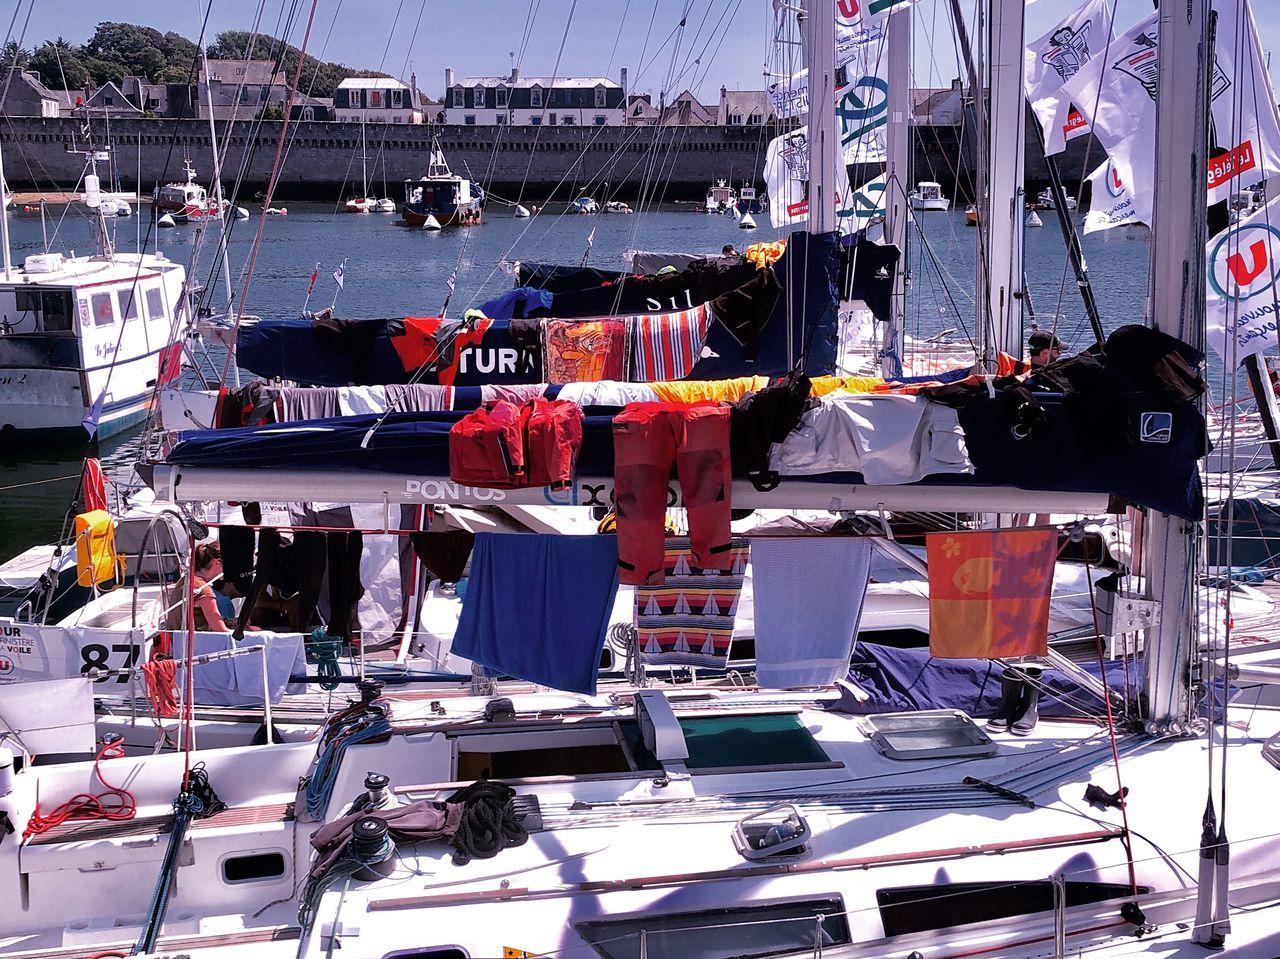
[
  {"x": 790, "y": 97},
  {"x": 1110, "y": 205},
  {"x": 337, "y": 274},
  {"x": 786, "y": 177},
  {"x": 865, "y": 203},
  {"x": 853, "y": 13},
  {"x": 1243, "y": 265},
  {"x": 1116, "y": 96},
  {"x": 1055, "y": 58}
]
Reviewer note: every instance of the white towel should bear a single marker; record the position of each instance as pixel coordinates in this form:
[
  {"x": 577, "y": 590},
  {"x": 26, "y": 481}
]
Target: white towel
[
  {"x": 807, "y": 592},
  {"x": 360, "y": 400}
]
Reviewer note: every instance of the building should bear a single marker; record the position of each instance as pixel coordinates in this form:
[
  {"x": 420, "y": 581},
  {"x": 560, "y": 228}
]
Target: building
[
  {"x": 534, "y": 101},
  {"x": 25, "y": 96},
  {"x": 171, "y": 100},
  {"x": 640, "y": 111},
  {"x": 240, "y": 89},
  {"x": 110, "y": 100},
  {"x": 307, "y": 108},
  {"x": 744, "y": 108},
  {"x": 938, "y": 106},
  {"x": 376, "y": 100},
  {"x": 686, "y": 111}
]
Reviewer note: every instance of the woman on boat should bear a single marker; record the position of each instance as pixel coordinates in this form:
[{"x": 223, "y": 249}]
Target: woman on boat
[{"x": 207, "y": 563}]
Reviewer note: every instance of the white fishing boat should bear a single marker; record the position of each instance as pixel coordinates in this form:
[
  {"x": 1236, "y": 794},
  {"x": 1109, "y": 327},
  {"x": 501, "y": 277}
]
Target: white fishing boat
[
  {"x": 87, "y": 340},
  {"x": 721, "y": 198},
  {"x": 186, "y": 201},
  {"x": 927, "y": 196}
]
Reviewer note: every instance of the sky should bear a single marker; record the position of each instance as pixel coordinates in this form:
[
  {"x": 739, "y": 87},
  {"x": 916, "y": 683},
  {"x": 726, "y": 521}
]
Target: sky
[{"x": 723, "y": 42}]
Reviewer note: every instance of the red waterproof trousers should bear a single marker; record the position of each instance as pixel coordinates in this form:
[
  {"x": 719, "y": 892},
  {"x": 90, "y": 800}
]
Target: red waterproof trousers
[{"x": 647, "y": 439}]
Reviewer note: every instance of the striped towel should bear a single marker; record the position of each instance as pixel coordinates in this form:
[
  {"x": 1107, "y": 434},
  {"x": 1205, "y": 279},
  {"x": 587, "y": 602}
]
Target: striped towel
[
  {"x": 665, "y": 346},
  {"x": 688, "y": 620}
]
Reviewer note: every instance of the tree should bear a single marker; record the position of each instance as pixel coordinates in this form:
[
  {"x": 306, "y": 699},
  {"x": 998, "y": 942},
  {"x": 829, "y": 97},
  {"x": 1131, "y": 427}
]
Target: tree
[
  {"x": 13, "y": 55},
  {"x": 103, "y": 71},
  {"x": 59, "y": 69}
]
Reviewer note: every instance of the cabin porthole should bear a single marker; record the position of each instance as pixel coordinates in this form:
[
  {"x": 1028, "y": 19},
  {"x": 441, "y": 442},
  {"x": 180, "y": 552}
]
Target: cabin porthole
[{"x": 254, "y": 867}]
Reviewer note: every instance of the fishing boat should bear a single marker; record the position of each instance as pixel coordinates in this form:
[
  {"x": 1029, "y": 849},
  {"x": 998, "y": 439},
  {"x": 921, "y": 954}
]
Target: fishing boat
[
  {"x": 751, "y": 202},
  {"x": 86, "y": 341},
  {"x": 442, "y": 195},
  {"x": 186, "y": 201},
  {"x": 971, "y": 215},
  {"x": 721, "y": 198},
  {"x": 927, "y": 196}
]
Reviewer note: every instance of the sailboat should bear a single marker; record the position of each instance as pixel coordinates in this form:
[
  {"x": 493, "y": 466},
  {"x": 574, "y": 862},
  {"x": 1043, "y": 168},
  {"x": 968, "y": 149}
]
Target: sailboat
[
  {"x": 693, "y": 819},
  {"x": 362, "y": 203}
]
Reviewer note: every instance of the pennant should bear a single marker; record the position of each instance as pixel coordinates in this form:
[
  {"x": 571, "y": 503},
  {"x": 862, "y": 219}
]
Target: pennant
[
  {"x": 315, "y": 274},
  {"x": 337, "y": 274},
  {"x": 1055, "y": 58},
  {"x": 1241, "y": 298},
  {"x": 989, "y": 593},
  {"x": 1109, "y": 202},
  {"x": 91, "y": 418}
]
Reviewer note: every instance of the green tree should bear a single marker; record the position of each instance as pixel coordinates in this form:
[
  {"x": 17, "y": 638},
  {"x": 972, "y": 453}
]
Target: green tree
[
  {"x": 13, "y": 55},
  {"x": 104, "y": 71},
  {"x": 59, "y": 69}
]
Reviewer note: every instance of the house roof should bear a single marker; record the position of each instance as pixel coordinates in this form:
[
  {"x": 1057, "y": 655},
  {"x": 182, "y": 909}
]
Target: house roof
[
  {"x": 744, "y": 102},
  {"x": 255, "y": 72},
  {"x": 685, "y": 110},
  {"x": 560, "y": 83},
  {"x": 107, "y": 88},
  {"x": 372, "y": 83}
]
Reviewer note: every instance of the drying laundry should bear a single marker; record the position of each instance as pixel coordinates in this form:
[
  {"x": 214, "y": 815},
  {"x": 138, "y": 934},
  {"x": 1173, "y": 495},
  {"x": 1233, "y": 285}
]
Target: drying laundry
[
  {"x": 359, "y": 400},
  {"x": 518, "y": 394},
  {"x": 807, "y": 594},
  {"x": 537, "y": 606},
  {"x": 701, "y": 391},
  {"x": 306, "y": 403},
  {"x": 688, "y": 620},
  {"x": 889, "y": 439},
  {"x": 608, "y": 393},
  {"x": 585, "y": 350},
  {"x": 666, "y": 345},
  {"x": 989, "y": 593},
  {"x": 647, "y": 439},
  {"x": 822, "y": 385},
  {"x": 444, "y": 553},
  {"x": 419, "y": 398},
  {"x": 436, "y": 344}
]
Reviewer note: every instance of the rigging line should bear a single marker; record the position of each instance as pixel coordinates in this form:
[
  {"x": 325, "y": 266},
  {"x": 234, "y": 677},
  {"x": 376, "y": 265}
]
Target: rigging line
[
  {"x": 271, "y": 185},
  {"x": 617, "y": 37}
]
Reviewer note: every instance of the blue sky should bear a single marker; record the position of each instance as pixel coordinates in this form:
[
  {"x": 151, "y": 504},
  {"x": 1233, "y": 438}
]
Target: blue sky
[{"x": 723, "y": 41}]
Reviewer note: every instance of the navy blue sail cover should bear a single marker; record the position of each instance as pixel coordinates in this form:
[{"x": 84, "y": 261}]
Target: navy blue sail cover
[
  {"x": 1157, "y": 471},
  {"x": 801, "y": 331}
]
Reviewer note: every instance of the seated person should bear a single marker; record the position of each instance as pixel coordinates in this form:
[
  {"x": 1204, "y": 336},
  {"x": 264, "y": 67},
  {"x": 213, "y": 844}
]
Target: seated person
[
  {"x": 207, "y": 560},
  {"x": 1044, "y": 348}
]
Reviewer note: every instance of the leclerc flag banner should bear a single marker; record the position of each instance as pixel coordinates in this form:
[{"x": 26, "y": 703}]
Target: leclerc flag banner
[
  {"x": 1054, "y": 59},
  {"x": 1116, "y": 95},
  {"x": 1242, "y": 299},
  {"x": 989, "y": 593},
  {"x": 1110, "y": 204}
]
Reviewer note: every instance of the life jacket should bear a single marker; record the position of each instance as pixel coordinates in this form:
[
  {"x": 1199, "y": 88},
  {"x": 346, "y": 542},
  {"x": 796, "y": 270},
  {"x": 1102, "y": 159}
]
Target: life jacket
[
  {"x": 96, "y": 559},
  {"x": 553, "y": 436},
  {"x": 486, "y": 447},
  {"x": 504, "y": 446}
]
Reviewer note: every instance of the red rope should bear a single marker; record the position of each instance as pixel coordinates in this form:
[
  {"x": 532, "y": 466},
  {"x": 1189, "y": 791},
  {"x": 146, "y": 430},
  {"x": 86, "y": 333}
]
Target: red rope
[
  {"x": 113, "y": 803},
  {"x": 160, "y": 675}
]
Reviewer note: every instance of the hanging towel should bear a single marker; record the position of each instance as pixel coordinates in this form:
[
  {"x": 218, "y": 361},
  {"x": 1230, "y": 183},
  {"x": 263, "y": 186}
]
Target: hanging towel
[
  {"x": 307, "y": 403},
  {"x": 537, "y": 606},
  {"x": 518, "y": 394},
  {"x": 445, "y": 554},
  {"x": 688, "y": 621},
  {"x": 807, "y": 593},
  {"x": 608, "y": 393},
  {"x": 664, "y": 346},
  {"x": 358, "y": 400},
  {"x": 989, "y": 593},
  {"x": 285, "y": 658},
  {"x": 419, "y": 397},
  {"x": 585, "y": 350}
]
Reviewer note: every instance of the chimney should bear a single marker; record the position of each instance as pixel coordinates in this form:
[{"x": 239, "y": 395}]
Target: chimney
[
  {"x": 515, "y": 75},
  {"x": 622, "y": 81},
  {"x": 413, "y": 93},
  {"x": 448, "y": 80}
]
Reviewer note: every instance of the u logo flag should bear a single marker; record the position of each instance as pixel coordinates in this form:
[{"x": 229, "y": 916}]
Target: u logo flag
[{"x": 989, "y": 593}]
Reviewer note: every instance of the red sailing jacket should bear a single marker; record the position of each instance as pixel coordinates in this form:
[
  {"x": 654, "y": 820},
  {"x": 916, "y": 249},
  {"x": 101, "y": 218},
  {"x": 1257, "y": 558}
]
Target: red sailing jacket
[{"x": 505, "y": 446}]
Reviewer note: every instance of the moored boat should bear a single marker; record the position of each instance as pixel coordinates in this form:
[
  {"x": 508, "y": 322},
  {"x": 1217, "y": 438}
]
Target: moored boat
[
  {"x": 185, "y": 201},
  {"x": 442, "y": 194}
]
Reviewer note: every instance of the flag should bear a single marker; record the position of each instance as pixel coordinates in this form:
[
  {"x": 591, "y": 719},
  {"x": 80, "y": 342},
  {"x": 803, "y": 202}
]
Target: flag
[
  {"x": 1116, "y": 97},
  {"x": 91, "y": 418},
  {"x": 1109, "y": 202},
  {"x": 1055, "y": 58},
  {"x": 853, "y": 13},
  {"x": 866, "y": 202},
  {"x": 314, "y": 275},
  {"x": 452, "y": 281},
  {"x": 337, "y": 274},
  {"x": 989, "y": 593},
  {"x": 1241, "y": 297},
  {"x": 790, "y": 97}
]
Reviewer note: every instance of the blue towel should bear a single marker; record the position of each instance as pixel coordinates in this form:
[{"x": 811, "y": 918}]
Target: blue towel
[
  {"x": 538, "y": 605},
  {"x": 807, "y": 592},
  {"x": 286, "y": 656}
]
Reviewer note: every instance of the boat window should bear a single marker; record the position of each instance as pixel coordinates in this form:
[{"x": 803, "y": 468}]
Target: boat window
[
  {"x": 128, "y": 302},
  {"x": 756, "y": 741},
  {"x": 580, "y": 750},
  {"x": 734, "y": 932},
  {"x": 909, "y": 909},
  {"x": 102, "y": 309},
  {"x": 253, "y": 868},
  {"x": 155, "y": 303},
  {"x": 56, "y": 308}
]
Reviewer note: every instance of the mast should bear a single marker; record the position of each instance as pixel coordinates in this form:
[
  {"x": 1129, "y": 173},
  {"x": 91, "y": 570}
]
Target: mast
[
  {"x": 1177, "y": 302},
  {"x": 898, "y": 141},
  {"x": 223, "y": 215},
  {"x": 825, "y": 155},
  {"x": 1004, "y": 204},
  {"x": 4, "y": 221}
]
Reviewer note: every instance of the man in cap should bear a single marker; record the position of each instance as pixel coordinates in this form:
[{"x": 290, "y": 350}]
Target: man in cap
[{"x": 1044, "y": 348}]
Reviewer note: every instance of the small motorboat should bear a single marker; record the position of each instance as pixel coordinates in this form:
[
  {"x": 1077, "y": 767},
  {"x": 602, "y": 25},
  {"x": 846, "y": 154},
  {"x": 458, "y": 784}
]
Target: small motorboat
[
  {"x": 928, "y": 196},
  {"x": 385, "y": 205},
  {"x": 584, "y": 205},
  {"x": 971, "y": 215},
  {"x": 617, "y": 206},
  {"x": 361, "y": 204},
  {"x": 275, "y": 211}
]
